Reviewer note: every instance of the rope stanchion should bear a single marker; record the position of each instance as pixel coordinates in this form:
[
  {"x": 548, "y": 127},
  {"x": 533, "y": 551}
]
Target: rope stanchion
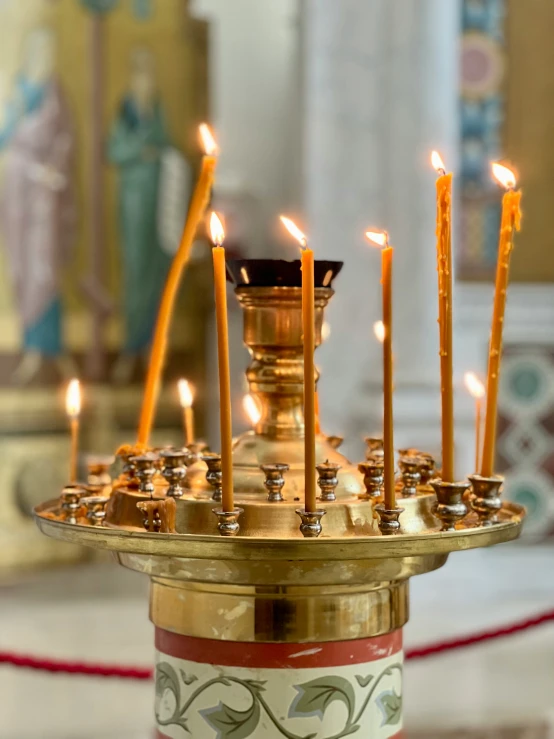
[{"x": 146, "y": 673}]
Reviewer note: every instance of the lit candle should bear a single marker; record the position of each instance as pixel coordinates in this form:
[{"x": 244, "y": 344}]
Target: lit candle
[
  {"x": 380, "y": 238},
  {"x": 511, "y": 221},
  {"x": 444, "y": 269},
  {"x": 477, "y": 391},
  {"x": 225, "y": 418},
  {"x": 198, "y": 205},
  {"x": 73, "y": 409},
  {"x": 186, "y": 398},
  {"x": 308, "y": 328},
  {"x": 252, "y": 409}
]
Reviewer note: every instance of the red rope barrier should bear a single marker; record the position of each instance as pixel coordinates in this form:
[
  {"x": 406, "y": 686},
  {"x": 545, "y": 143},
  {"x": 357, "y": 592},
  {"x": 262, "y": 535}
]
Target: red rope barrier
[
  {"x": 449, "y": 645},
  {"x": 146, "y": 673}
]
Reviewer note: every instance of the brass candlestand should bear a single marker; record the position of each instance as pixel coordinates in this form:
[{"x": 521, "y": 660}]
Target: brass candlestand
[{"x": 264, "y": 623}]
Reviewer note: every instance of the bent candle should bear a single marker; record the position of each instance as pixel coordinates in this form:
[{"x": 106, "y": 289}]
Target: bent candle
[{"x": 198, "y": 205}]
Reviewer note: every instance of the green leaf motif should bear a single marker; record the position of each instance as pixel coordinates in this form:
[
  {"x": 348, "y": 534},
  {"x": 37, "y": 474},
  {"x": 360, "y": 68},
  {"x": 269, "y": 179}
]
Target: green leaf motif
[
  {"x": 363, "y": 682},
  {"x": 391, "y": 705},
  {"x": 315, "y": 696},
  {"x": 167, "y": 679},
  {"x": 188, "y": 679},
  {"x": 232, "y": 724}
]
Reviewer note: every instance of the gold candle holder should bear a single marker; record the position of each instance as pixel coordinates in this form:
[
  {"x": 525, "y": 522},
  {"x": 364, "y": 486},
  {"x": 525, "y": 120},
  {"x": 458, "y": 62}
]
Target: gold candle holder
[
  {"x": 310, "y": 528},
  {"x": 214, "y": 474},
  {"x": 374, "y": 477},
  {"x": 70, "y": 500},
  {"x": 389, "y": 524},
  {"x": 411, "y": 476},
  {"x": 95, "y": 508},
  {"x": 450, "y": 508},
  {"x": 228, "y": 521},
  {"x": 146, "y": 466},
  {"x": 274, "y": 480},
  {"x": 486, "y": 500},
  {"x": 327, "y": 480},
  {"x": 174, "y": 470},
  {"x": 426, "y": 466}
]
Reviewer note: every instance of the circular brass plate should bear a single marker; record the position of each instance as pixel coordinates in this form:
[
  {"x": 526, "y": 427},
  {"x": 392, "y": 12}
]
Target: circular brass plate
[{"x": 269, "y": 549}]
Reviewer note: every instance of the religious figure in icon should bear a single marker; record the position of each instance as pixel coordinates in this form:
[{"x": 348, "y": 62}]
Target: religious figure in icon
[
  {"x": 136, "y": 146},
  {"x": 37, "y": 205}
]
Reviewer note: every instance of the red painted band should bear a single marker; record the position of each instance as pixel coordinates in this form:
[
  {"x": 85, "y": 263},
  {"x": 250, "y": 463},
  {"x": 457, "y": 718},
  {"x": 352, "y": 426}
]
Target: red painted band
[{"x": 278, "y": 656}]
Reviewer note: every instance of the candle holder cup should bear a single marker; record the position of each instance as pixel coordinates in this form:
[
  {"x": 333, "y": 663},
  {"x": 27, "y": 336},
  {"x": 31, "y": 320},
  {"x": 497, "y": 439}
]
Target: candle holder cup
[
  {"x": 327, "y": 480},
  {"x": 374, "y": 478},
  {"x": 450, "y": 508},
  {"x": 310, "y": 526},
  {"x": 70, "y": 500},
  {"x": 95, "y": 506},
  {"x": 411, "y": 476},
  {"x": 274, "y": 480},
  {"x": 174, "y": 471},
  {"x": 426, "y": 467},
  {"x": 389, "y": 523},
  {"x": 486, "y": 498},
  {"x": 214, "y": 474},
  {"x": 145, "y": 466},
  {"x": 228, "y": 521}
]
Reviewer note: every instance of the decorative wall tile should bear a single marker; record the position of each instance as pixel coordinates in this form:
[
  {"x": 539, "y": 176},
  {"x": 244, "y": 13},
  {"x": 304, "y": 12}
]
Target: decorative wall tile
[
  {"x": 526, "y": 433},
  {"x": 481, "y": 117}
]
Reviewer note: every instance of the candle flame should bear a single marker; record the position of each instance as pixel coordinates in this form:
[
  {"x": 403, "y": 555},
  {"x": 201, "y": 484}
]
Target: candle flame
[
  {"x": 293, "y": 229},
  {"x": 186, "y": 395},
  {"x": 378, "y": 238},
  {"x": 73, "y": 399},
  {"x": 503, "y": 175},
  {"x": 208, "y": 142},
  {"x": 252, "y": 409},
  {"x": 325, "y": 331},
  {"x": 216, "y": 229},
  {"x": 474, "y": 385},
  {"x": 436, "y": 161},
  {"x": 379, "y": 331}
]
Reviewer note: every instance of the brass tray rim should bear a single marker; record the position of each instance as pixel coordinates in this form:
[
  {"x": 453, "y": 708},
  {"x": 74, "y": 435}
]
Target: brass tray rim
[{"x": 205, "y": 546}]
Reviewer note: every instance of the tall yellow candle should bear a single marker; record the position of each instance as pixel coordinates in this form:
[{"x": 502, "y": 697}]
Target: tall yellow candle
[
  {"x": 444, "y": 268},
  {"x": 73, "y": 410},
  {"x": 380, "y": 238},
  {"x": 186, "y": 400},
  {"x": 477, "y": 391},
  {"x": 225, "y": 417},
  {"x": 198, "y": 205},
  {"x": 510, "y": 222},
  {"x": 308, "y": 329}
]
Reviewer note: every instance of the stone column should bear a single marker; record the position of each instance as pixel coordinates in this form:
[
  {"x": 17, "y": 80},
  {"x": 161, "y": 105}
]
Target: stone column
[{"x": 381, "y": 92}]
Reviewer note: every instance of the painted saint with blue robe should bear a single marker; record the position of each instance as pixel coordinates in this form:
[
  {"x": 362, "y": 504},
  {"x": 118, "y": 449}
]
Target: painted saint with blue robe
[
  {"x": 37, "y": 204},
  {"x": 137, "y": 140}
]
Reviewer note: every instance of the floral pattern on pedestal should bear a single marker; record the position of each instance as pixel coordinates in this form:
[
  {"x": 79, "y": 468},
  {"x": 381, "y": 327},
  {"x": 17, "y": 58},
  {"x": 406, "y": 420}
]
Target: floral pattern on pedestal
[{"x": 216, "y": 702}]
